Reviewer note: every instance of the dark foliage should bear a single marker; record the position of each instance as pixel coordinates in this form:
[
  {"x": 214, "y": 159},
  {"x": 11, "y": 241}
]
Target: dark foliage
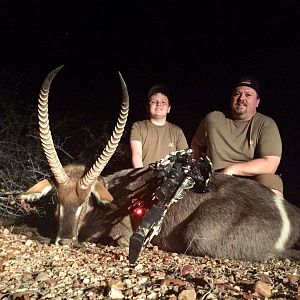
[{"x": 23, "y": 163}]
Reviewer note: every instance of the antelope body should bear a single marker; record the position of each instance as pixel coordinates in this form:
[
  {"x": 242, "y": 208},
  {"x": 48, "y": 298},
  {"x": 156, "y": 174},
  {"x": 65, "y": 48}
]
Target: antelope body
[{"x": 239, "y": 218}]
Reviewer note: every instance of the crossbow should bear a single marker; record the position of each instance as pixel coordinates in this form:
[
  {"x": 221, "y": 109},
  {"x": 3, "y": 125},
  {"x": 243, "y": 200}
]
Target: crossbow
[{"x": 177, "y": 173}]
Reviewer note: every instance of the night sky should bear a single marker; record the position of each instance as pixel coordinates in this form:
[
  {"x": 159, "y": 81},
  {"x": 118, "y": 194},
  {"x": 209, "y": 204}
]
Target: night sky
[{"x": 197, "y": 48}]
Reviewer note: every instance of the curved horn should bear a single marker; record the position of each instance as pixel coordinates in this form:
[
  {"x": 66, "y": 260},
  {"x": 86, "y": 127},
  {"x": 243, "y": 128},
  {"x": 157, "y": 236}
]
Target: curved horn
[
  {"x": 45, "y": 133},
  {"x": 110, "y": 148}
]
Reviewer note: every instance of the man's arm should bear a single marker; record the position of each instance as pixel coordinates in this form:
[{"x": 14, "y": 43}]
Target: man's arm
[
  {"x": 136, "y": 154},
  {"x": 198, "y": 149},
  {"x": 263, "y": 165},
  {"x": 268, "y": 150},
  {"x": 198, "y": 143}
]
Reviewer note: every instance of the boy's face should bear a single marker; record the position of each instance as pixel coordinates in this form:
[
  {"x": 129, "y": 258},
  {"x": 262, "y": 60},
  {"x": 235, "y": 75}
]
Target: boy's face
[{"x": 159, "y": 106}]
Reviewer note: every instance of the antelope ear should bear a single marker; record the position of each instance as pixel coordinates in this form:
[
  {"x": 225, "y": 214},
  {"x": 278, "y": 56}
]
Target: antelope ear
[
  {"x": 37, "y": 191},
  {"x": 101, "y": 193}
]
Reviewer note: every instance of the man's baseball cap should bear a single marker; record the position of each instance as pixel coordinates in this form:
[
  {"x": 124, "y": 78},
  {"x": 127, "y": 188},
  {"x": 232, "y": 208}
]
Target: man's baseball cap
[{"x": 250, "y": 82}]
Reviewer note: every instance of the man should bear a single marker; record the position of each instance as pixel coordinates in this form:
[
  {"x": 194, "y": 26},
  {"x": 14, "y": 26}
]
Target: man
[
  {"x": 154, "y": 138},
  {"x": 244, "y": 142}
]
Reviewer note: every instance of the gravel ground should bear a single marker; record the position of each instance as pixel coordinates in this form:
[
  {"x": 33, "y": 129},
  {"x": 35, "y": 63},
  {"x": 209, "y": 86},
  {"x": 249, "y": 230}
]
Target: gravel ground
[{"x": 31, "y": 268}]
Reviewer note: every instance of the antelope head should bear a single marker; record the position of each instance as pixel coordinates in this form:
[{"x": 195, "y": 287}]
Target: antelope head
[{"x": 72, "y": 184}]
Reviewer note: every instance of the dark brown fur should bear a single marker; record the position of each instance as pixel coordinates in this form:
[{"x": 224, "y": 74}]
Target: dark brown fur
[{"x": 238, "y": 219}]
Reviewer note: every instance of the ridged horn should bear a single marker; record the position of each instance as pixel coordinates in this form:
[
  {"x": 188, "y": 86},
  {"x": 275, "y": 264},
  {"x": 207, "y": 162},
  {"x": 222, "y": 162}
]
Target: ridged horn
[
  {"x": 112, "y": 144},
  {"x": 45, "y": 134}
]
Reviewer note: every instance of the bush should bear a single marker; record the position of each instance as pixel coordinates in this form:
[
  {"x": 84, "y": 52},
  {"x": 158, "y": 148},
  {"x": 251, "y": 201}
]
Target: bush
[{"x": 23, "y": 163}]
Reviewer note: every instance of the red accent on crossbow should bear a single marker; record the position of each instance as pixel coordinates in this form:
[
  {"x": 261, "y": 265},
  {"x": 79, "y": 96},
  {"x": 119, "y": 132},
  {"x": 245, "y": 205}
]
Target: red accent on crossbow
[{"x": 139, "y": 211}]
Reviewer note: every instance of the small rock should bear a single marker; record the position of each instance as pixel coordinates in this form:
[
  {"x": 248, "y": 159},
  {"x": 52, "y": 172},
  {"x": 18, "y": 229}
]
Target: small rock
[
  {"x": 139, "y": 267},
  {"x": 62, "y": 274},
  {"x": 263, "y": 289},
  {"x": 127, "y": 282},
  {"x": 86, "y": 281},
  {"x": 174, "y": 281},
  {"x": 211, "y": 296},
  {"x": 42, "y": 276},
  {"x": 6, "y": 231},
  {"x": 293, "y": 278},
  {"x": 116, "y": 283},
  {"x": 163, "y": 288},
  {"x": 155, "y": 249},
  {"x": 152, "y": 296},
  {"x": 187, "y": 295},
  {"x": 29, "y": 243},
  {"x": 115, "y": 294},
  {"x": 143, "y": 280},
  {"x": 237, "y": 288},
  {"x": 187, "y": 269}
]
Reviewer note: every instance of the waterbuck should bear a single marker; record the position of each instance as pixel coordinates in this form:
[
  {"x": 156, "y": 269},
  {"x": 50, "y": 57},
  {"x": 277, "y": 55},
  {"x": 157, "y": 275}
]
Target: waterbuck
[
  {"x": 76, "y": 188},
  {"x": 239, "y": 218}
]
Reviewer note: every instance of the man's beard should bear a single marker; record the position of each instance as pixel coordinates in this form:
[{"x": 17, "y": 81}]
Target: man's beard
[{"x": 240, "y": 109}]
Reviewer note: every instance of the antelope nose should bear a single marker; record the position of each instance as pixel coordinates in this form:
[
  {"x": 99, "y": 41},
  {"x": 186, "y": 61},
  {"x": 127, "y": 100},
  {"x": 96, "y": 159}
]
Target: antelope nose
[{"x": 64, "y": 242}]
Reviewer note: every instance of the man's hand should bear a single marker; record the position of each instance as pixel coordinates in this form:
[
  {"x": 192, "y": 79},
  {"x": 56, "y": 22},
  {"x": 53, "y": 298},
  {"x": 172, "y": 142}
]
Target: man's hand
[
  {"x": 230, "y": 170},
  {"x": 263, "y": 165}
]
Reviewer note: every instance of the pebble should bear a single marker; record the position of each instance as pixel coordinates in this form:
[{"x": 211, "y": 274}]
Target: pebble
[
  {"x": 187, "y": 295},
  {"x": 28, "y": 243},
  {"x": 263, "y": 289},
  {"x": 115, "y": 294},
  {"x": 152, "y": 296},
  {"x": 42, "y": 277}
]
